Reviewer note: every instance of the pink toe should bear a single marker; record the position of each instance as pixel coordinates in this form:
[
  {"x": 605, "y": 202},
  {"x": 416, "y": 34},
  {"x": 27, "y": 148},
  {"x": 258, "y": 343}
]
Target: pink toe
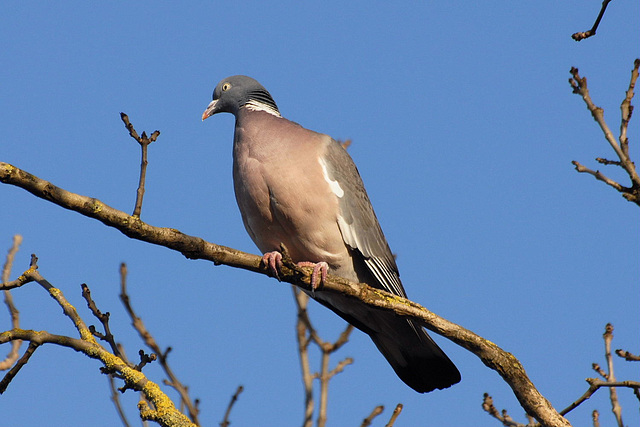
[
  {"x": 273, "y": 261},
  {"x": 319, "y": 269}
]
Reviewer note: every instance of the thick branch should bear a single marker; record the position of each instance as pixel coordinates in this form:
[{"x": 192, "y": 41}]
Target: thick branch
[
  {"x": 195, "y": 248},
  {"x": 170, "y": 416},
  {"x": 131, "y": 226}
]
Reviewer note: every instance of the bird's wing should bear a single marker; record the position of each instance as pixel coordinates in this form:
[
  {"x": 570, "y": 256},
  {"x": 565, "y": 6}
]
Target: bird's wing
[{"x": 357, "y": 221}]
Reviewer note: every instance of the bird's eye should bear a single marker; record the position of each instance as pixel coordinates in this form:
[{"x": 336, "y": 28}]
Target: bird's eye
[{"x": 226, "y": 86}]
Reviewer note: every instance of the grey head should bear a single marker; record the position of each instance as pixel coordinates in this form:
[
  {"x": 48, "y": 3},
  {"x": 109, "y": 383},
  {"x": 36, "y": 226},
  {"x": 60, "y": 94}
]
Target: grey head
[{"x": 235, "y": 92}]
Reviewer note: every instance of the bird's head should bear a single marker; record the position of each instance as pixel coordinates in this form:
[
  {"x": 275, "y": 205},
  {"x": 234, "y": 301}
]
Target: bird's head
[{"x": 236, "y": 92}]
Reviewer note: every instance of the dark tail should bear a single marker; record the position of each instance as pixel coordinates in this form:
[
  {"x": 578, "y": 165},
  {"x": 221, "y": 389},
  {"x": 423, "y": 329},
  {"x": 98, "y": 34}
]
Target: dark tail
[
  {"x": 410, "y": 351},
  {"x": 415, "y": 357}
]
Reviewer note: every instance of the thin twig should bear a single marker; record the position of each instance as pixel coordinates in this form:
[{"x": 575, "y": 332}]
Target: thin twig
[
  {"x": 376, "y": 411},
  {"x": 324, "y": 378},
  {"x": 592, "y": 32},
  {"x": 395, "y": 415},
  {"x": 144, "y": 142},
  {"x": 302, "y": 300},
  {"x": 503, "y": 417},
  {"x": 225, "y": 422},
  {"x": 115, "y": 398},
  {"x": 306, "y": 334},
  {"x": 13, "y": 354},
  {"x": 621, "y": 145},
  {"x": 607, "y": 381},
  {"x": 611, "y": 378},
  {"x": 596, "y": 367},
  {"x": 16, "y": 368},
  {"x": 104, "y": 319},
  {"x": 162, "y": 356},
  {"x": 601, "y": 177},
  {"x": 594, "y": 385},
  {"x": 629, "y": 357},
  {"x": 626, "y": 109}
]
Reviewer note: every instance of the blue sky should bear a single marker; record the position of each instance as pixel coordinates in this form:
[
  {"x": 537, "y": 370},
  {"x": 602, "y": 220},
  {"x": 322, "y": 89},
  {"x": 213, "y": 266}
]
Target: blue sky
[{"x": 463, "y": 127}]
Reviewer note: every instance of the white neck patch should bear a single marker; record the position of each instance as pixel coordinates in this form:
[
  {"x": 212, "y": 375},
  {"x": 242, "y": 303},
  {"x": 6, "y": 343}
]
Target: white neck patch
[{"x": 259, "y": 106}]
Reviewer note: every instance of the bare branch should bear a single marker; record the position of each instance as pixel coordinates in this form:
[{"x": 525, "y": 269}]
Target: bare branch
[
  {"x": 579, "y": 86},
  {"x": 376, "y": 411},
  {"x": 596, "y": 367},
  {"x": 491, "y": 355},
  {"x": 144, "y": 142},
  {"x": 395, "y": 415},
  {"x": 225, "y": 422},
  {"x": 162, "y": 356},
  {"x": 16, "y": 368},
  {"x": 104, "y": 319},
  {"x": 592, "y": 32},
  {"x": 302, "y": 300},
  {"x": 115, "y": 398},
  {"x": 626, "y": 109},
  {"x": 503, "y": 417},
  {"x": 611, "y": 378},
  {"x": 630, "y": 357},
  {"x": 163, "y": 411},
  {"x": 600, "y": 176},
  {"x": 594, "y": 385},
  {"x": 13, "y": 354},
  {"x": 608, "y": 381}
]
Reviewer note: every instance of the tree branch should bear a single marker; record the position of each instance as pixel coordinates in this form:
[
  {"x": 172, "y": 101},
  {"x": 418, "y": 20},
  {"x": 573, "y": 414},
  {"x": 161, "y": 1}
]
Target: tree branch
[
  {"x": 149, "y": 340},
  {"x": 491, "y": 355},
  {"x": 164, "y": 411},
  {"x": 592, "y": 32},
  {"x": 225, "y": 422},
  {"x": 611, "y": 378},
  {"x": 503, "y": 417},
  {"x": 376, "y": 411},
  {"x": 144, "y": 142},
  {"x": 13, "y": 355},
  {"x": 303, "y": 328},
  {"x": 395, "y": 415},
  {"x": 579, "y": 85}
]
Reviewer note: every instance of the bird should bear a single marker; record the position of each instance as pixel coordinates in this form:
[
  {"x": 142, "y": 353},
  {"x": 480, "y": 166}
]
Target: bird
[{"x": 301, "y": 189}]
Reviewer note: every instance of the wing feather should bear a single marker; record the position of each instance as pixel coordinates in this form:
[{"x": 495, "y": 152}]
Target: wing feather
[{"x": 358, "y": 222}]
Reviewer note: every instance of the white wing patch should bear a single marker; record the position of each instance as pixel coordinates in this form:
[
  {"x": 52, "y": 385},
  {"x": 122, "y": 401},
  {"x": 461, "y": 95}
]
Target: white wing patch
[{"x": 334, "y": 185}]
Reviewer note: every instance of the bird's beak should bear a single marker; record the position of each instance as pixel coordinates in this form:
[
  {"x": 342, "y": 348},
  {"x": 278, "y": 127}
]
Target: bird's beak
[{"x": 211, "y": 109}]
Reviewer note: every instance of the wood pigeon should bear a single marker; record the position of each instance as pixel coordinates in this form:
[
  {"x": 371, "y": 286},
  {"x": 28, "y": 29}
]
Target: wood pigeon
[{"x": 300, "y": 188}]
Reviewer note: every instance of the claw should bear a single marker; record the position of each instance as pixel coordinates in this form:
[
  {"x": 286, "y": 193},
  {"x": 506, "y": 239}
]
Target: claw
[
  {"x": 319, "y": 269},
  {"x": 273, "y": 262}
]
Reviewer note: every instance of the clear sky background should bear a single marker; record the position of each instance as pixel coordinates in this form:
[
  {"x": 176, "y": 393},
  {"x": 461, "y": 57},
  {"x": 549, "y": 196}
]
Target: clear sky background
[{"x": 463, "y": 126}]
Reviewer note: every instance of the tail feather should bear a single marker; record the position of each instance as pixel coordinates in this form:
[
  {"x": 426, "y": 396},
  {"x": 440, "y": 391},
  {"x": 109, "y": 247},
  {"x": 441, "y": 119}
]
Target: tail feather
[
  {"x": 410, "y": 351},
  {"x": 416, "y": 358}
]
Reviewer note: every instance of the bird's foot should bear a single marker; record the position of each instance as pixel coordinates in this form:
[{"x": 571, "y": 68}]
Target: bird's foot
[
  {"x": 273, "y": 262},
  {"x": 320, "y": 269}
]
